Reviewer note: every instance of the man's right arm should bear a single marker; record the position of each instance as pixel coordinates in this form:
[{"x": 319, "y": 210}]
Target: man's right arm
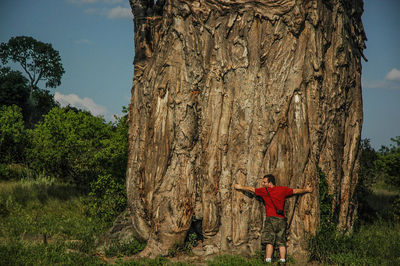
[
  {"x": 240, "y": 187},
  {"x": 308, "y": 189}
]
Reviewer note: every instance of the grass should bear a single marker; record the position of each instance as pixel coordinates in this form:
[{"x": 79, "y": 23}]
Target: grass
[
  {"x": 374, "y": 241},
  {"x": 371, "y": 244},
  {"x": 43, "y": 222}
]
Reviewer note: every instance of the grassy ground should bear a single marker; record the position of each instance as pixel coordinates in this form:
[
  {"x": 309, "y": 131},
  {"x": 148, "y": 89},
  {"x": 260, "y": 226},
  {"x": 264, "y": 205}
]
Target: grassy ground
[{"x": 46, "y": 223}]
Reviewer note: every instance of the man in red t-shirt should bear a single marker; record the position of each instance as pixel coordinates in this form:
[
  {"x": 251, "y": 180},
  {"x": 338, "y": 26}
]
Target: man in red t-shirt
[{"x": 274, "y": 231}]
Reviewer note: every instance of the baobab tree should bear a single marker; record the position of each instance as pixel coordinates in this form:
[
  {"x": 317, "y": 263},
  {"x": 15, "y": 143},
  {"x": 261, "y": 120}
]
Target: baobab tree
[{"x": 225, "y": 91}]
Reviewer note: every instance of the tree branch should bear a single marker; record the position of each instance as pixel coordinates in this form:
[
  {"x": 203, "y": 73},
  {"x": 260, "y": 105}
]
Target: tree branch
[{"x": 23, "y": 64}]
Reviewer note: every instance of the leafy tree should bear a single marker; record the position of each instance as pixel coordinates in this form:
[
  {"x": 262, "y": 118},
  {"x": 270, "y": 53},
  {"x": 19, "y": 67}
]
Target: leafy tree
[
  {"x": 389, "y": 162},
  {"x": 107, "y": 198},
  {"x": 41, "y": 103},
  {"x": 64, "y": 144},
  {"x": 77, "y": 147},
  {"x": 13, "y": 137},
  {"x": 367, "y": 177},
  {"x": 368, "y": 171},
  {"x": 14, "y": 88},
  {"x": 39, "y": 60}
]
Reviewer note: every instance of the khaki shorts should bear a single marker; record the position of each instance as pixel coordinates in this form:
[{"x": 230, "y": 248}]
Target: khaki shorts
[{"x": 274, "y": 232}]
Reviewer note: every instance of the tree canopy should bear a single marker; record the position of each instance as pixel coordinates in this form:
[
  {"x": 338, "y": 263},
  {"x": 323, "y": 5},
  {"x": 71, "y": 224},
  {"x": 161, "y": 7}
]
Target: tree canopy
[
  {"x": 14, "y": 88},
  {"x": 39, "y": 60}
]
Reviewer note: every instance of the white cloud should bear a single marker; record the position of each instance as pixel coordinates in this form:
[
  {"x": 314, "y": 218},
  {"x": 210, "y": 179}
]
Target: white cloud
[
  {"x": 85, "y": 103},
  {"x": 394, "y": 74},
  {"x": 113, "y": 13},
  {"x": 120, "y": 12},
  {"x": 84, "y": 41},
  {"x": 93, "y": 11},
  {"x": 391, "y": 81}
]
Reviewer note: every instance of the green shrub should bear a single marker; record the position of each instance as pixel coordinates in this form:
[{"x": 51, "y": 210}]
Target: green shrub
[
  {"x": 107, "y": 198},
  {"x": 158, "y": 261},
  {"x": 235, "y": 260},
  {"x": 19, "y": 253},
  {"x": 13, "y": 136},
  {"x": 64, "y": 144},
  {"x": 74, "y": 146},
  {"x": 14, "y": 88},
  {"x": 372, "y": 244},
  {"x": 124, "y": 249},
  {"x": 388, "y": 163}
]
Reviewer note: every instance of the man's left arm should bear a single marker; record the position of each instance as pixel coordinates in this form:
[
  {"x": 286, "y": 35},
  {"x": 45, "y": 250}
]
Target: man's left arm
[{"x": 307, "y": 189}]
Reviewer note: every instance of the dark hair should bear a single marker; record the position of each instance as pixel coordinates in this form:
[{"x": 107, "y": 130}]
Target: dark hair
[{"x": 271, "y": 178}]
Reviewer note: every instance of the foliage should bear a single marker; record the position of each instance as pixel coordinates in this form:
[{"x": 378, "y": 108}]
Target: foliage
[
  {"x": 368, "y": 176},
  {"x": 20, "y": 253},
  {"x": 117, "y": 249},
  {"x": 76, "y": 147},
  {"x": 234, "y": 260},
  {"x": 373, "y": 244},
  {"x": 69, "y": 146},
  {"x": 13, "y": 136},
  {"x": 39, "y": 104},
  {"x": 14, "y": 88},
  {"x": 39, "y": 60},
  {"x": 48, "y": 216},
  {"x": 107, "y": 198},
  {"x": 389, "y": 162},
  {"x": 326, "y": 212},
  {"x": 368, "y": 171},
  {"x": 158, "y": 261}
]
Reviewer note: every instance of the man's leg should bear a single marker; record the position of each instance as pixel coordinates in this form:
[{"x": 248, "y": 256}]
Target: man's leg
[
  {"x": 267, "y": 239},
  {"x": 282, "y": 252},
  {"x": 269, "y": 249}
]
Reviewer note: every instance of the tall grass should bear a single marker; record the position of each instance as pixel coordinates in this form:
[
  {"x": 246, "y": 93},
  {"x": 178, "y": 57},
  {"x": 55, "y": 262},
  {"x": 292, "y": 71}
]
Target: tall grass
[
  {"x": 44, "y": 222},
  {"x": 372, "y": 244},
  {"x": 23, "y": 253}
]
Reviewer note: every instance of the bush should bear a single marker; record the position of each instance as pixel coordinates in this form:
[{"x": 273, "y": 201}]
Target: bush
[
  {"x": 107, "y": 198},
  {"x": 231, "y": 260},
  {"x": 19, "y": 253},
  {"x": 13, "y": 136},
  {"x": 373, "y": 244},
  {"x": 77, "y": 147},
  {"x": 124, "y": 249},
  {"x": 14, "y": 88}
]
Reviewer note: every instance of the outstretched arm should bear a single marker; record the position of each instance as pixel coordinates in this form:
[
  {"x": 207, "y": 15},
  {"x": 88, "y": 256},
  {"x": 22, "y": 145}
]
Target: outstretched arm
[
  {"x": 307, "y": 189},
  {"x": 240, "y": 187}
]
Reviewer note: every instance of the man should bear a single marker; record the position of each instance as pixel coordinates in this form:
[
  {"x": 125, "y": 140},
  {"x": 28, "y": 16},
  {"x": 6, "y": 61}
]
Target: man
[{"x": 275, "y": 224}]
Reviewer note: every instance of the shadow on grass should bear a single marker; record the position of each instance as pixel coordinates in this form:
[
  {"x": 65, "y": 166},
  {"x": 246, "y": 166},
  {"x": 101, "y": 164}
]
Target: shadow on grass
[
  {"x": 24, "y": 192},
  {"x": 381, "y": 203}
]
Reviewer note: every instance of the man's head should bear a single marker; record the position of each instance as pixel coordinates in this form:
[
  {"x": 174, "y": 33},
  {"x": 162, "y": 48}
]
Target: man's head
[{"x": 269, "y": 180}]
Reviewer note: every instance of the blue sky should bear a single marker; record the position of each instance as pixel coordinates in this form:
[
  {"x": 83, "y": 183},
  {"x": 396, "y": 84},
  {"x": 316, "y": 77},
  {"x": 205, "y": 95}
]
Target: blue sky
[{"x": 95, "y": 41}]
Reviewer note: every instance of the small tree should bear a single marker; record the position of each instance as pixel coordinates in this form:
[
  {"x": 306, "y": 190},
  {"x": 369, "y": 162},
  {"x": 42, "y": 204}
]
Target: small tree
[
  {"x": 13, "y": 138},
  {"x": 14, "y": 88},
  {"x": 389, "y": 162},
  {"x": 39, "y": 60},
  {"x": 76, "y": 147}
]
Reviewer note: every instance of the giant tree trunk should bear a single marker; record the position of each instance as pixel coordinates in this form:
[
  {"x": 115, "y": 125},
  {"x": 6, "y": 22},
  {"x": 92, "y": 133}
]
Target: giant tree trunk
[{"x": 225, "y": 91}]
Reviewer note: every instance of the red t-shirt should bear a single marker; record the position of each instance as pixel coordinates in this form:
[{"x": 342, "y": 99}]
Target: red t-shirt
[{"x": 278, "y": 195}]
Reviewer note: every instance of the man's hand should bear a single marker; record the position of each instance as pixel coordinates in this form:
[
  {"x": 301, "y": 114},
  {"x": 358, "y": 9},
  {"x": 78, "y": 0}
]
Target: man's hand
[
  {"x": 240, "y": 187},
  {"x": 308, "y": 189},
  {"x": 237, "y": 186}
]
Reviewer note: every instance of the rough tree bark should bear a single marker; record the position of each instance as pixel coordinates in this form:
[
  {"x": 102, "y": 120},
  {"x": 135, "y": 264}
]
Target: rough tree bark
[{"x": 225, "y": 91}]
